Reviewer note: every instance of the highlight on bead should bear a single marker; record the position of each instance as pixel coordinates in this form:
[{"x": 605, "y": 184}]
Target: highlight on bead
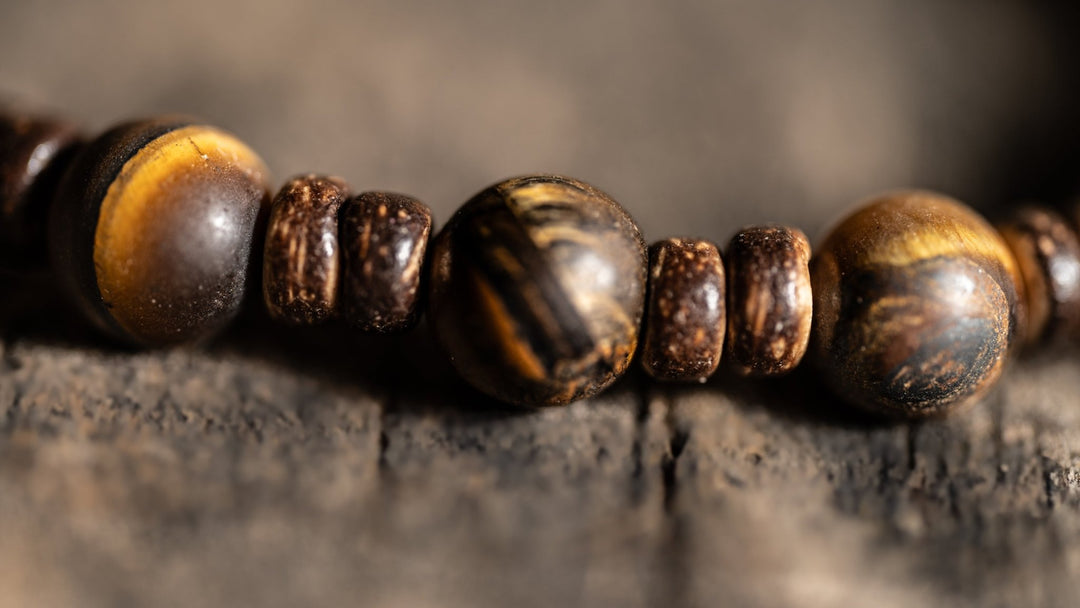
[
  {"x": 539, "y": 287},
  {"x": 917, "y": 305},
  {"x": 1047, "y": 251},
  {"x": 684, "y": 321},
  {"x": 34, "y": 151},
  {"x": 769, "y": 299},
  {"x": 537, "y": 290},
  {"x": 152, "y": 228},
  {"x": 301, "y": 268},
  {"x": 384, "y": 239}
]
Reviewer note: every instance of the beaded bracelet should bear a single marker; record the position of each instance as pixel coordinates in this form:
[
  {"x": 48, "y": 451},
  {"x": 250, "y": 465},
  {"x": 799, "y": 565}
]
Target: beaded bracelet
[{"x": 539, "y": 288}]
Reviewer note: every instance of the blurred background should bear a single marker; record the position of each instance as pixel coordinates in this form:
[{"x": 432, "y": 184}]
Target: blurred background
[
  {"x": 269, "y": 469},
  {"x": 699, "y": 117}
]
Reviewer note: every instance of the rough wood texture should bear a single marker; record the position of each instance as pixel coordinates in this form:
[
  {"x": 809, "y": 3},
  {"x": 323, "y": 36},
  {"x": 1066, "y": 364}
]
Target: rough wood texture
[
  {"x": 285, "y": 467},
  {"x": 290, "y": 467}
]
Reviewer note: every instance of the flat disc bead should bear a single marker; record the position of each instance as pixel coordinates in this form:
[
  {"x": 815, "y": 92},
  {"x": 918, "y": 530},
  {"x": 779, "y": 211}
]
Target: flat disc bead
[
  {"x": 916, "y": 305},
  {"x": 33, "y": 152},
  {"x": 769, "y": 299},
  {"x": 384, "y": 240},
  {"x": 300, "y": 254},
  {"x": 537, "y": 290},
  {"x": 684, "y": 316},
  {"x": 1048, "y": 253},
  {"x": 152, "y": 229}
]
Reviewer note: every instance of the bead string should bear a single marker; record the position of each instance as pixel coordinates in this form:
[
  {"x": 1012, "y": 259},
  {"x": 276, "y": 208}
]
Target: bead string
[{"x": 539, "y": 288}]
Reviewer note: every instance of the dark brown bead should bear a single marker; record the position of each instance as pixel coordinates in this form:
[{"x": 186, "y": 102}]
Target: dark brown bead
[
  {"x": 384, "y": 240},
  {"x": 768, "y": 300},
  {"x": 1048, "y": 253},
  {"x": 33, "y": 153},
  {"x": 538, "y": 286},
  {"x": 300, "y": 255},
  {"x": 916, "y": 305},
  {"x": 152, "y": 229},
  {"x": 684, "y": 316}
]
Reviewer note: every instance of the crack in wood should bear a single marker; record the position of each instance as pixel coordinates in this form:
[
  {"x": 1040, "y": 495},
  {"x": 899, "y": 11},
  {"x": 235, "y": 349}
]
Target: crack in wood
[{"x": 677, "y": 440}]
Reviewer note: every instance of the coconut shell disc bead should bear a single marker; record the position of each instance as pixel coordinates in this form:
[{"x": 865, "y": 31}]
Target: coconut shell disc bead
[
  {"x": 537, "y": 290},
  {"x": 1048, "y": 253},
  {"x": 916, "y": 305},
  {"x": 300, "y": 255},
  {"x": 769, "y": 300},
  {"x": 384, "y": 238},
  {"x": 153, "y": 225},
  {"x": 684, "y": 318},
  {"x": 33, "y": 152}
]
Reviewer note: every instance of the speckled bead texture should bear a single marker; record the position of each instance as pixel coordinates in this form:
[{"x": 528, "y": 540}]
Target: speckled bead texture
[{"x": 685, "y": 319}]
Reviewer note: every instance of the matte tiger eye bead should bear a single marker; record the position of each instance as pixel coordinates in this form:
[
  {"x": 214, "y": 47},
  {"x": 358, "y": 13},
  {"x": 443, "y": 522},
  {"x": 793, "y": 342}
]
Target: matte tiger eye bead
[
  {"x": 916, "y": 305},
  {"x": 384, "y": 240},
  {"x": 300, "y": 255},
  {"x": 684, "y": 317},
  {"x": 33, "y": 152},
  {"x": 1048, "y": 253},
  {"x": 537, "y": 290},
  {"x": 152, "y": 229},
  {"x": 769, "y": 301}
]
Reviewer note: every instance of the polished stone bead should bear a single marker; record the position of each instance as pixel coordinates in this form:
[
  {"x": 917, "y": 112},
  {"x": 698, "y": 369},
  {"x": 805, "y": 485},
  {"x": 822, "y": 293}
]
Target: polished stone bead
[
  {"x": 384, "y": 240},
  {"x": 768, "y": 299},
  {"x": 684, "y": 315},
  {"x": 33, "y": 153},
  {"x": 153, "y": 227},
  {"x": 537, "y": 290},
  {"x": 916, "y": 305},
  {"x": 1048, "y": 253},
  {"x": 300, "y": 256}
]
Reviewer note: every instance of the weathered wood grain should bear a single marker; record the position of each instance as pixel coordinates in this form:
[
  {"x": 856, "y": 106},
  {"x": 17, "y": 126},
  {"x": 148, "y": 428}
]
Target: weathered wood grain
[
  {"x": 292, "y": 467},
  {"x": 288, "y": 467}
]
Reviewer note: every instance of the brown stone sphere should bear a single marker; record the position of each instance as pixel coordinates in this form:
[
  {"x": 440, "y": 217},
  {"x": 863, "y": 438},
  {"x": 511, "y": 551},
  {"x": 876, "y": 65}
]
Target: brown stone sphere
[
  {"x": 153, "y": 228},
  {"x": 537, "y": 290},
  {"x": 916, "y": 305}
]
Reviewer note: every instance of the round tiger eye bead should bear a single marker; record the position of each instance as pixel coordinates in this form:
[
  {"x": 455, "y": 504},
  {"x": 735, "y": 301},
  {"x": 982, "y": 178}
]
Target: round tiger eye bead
[
  {"x": 1048, "y": 253},
  {"x": 384, "y": 239},
  {"x": 300, "y": 256},
  {"x": 538, "y": 286},
  {"x": 33, "y": 152},
  {"x": 152, "y": 229},
  {"x": 916, "y": 305},
  {"x": 684, "y": 316},
  {"x": 769, "y": 300}
]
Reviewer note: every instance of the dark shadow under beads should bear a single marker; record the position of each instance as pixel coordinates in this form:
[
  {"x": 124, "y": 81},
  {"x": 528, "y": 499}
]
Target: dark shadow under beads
[
  {"x": 1048, "y": 253},
  {"x": 34, "y": 151},
  {"x": 384, "y": 239},
  {"x": 301, "y": 269},
  {"x": 769, "y": 299},
  {"x": 685, "y": 315}
]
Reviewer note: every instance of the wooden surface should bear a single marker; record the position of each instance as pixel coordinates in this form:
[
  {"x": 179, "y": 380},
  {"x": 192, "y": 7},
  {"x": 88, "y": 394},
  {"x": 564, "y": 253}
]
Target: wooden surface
[
  {"x": 304, "y": 468},
  {"x": 281, "y": 467}
]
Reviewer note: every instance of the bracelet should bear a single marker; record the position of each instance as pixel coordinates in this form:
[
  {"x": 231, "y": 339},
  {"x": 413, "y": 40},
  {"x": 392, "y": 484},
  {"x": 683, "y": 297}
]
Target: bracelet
[{"x": 539, "y": 288}]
